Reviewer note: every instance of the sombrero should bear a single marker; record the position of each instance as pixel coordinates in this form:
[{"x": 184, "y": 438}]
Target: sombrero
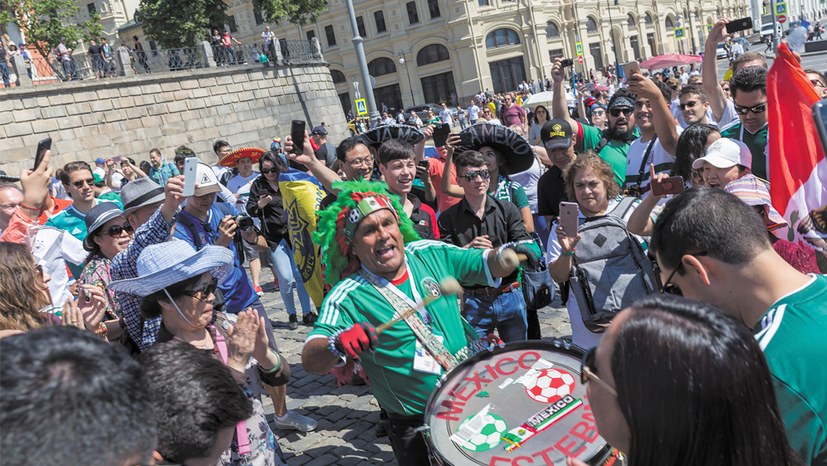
[
  {"x": 376, "y": 136},
  {"x": 231, "y": 159},
  {"x": 518, "y": 154}
]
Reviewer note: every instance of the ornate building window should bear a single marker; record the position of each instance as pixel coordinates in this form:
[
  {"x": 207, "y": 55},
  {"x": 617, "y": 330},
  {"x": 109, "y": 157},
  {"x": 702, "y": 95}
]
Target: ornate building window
[
  {"x": 501, "y": 38},
  {"x": 630, "y": 21},
  {"x": 337, "y": 76},
  {"x": 381, "y": 66},
  {"x": 431, "y": 54},
  {"x": 552, "y": 30},
  {"x": 591, "y": 24}
]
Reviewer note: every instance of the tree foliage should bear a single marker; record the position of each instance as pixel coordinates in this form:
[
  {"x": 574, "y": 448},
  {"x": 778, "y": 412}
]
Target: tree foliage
[
  {"x": 46, "y": 22},
  {"x": 299, "y": 12},
  {"x": 183, "y": 23}
]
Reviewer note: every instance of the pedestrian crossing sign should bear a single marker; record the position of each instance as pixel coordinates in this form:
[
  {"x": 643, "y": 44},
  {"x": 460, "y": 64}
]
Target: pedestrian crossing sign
[
  {"x": 781, "y": 8},
  {"x": 579, "y": 47},
  {"x": 679, "y": 32},
  {"x": 361, "y": 107}
]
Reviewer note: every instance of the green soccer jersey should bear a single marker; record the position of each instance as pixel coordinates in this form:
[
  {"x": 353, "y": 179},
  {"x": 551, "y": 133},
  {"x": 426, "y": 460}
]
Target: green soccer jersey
[
  {"x": 792, "y": 336},
  {"x": 396, "y": 384},
  {"x": 614, "y": 152},
  {"x": 757, "y": 144}
]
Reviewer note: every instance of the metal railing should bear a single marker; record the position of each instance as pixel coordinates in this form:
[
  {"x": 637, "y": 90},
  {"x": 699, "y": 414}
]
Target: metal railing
[
  {"x": 124, "y": 61},
  {"x": 155, "y": 61}
]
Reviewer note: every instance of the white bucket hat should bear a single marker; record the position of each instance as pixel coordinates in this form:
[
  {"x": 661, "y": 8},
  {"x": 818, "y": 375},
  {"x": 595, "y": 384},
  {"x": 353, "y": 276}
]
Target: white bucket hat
[{"x": 164, "y": 264}]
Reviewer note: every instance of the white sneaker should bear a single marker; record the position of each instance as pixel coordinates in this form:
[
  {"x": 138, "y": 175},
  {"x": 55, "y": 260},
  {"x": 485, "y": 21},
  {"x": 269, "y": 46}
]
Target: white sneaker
[{"x": 292, "y": 420}]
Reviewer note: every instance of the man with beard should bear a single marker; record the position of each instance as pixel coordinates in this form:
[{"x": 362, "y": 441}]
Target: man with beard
[{"x": 611, "y": 145}]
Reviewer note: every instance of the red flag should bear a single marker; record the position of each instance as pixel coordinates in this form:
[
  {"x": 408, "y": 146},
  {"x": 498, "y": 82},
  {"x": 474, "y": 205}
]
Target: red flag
[{"x": 798, "y": 169}]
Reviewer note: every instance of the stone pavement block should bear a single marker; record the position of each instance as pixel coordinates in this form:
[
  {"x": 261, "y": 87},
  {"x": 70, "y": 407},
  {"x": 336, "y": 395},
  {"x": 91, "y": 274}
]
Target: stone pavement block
[{"x": 324, "y": 460}]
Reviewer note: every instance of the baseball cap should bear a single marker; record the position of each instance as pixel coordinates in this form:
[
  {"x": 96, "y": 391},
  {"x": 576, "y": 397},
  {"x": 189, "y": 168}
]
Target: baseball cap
[
  {"x": 320, "y": 130},
  {"x": 100, "y": 160},
  {"x": 205, "y": 181},
  {"x": 556, "y": 134},
  {"x": 98, "y": 179},
  {"x": 725, "y": 153}
]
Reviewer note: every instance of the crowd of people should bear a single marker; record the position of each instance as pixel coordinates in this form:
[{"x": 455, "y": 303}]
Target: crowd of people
[{"x": 136, "y": 310}]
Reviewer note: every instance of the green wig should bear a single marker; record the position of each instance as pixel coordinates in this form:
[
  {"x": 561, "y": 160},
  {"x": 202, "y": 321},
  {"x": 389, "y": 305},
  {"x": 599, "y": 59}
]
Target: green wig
[{"x": 336, "y": 223}]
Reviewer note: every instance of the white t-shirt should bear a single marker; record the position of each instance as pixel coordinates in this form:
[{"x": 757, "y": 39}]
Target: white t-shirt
[
  {"x": 528, "y": 180},
  {"x": 580, "y": 335},
  {"x": 664, "y": 161},
  {"x": 729, "y": 114},
  {"x": 240, "y": 186}
]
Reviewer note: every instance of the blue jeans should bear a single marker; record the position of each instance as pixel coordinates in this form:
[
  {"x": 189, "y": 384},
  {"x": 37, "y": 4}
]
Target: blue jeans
[
  {"x": 505, "y": 312},
  {"x": 4, "y": 71},
  {"x": 289, "y": 278}
]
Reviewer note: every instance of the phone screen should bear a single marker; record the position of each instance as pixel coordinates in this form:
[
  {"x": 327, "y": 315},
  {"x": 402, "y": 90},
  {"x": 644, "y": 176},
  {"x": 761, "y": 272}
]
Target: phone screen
[
  {"x": 820, "y": 118},
  {"x": 297, "y": 134},
  {"x": 190, "y": 169},
  {"x": 569, "y": 211},
  {"x": 671, "y": 185}
]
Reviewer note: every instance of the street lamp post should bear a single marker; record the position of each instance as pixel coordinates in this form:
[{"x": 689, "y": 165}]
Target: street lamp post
[
  {"x": 611, "y": 34},
  {"x": 403, "y": 62},
  {"x": 363, "y": 66}
]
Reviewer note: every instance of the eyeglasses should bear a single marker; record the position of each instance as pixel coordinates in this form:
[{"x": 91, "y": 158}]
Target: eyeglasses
[
  {"x": 269, "y": 170},
  {"x": 760, "y": 108},
  {"x": 79, "y": 183},
  {"x": 472, "y": 175},
  {"x": 615, "y": 112},
  {"x": 116, "y": 230},
  {"x": 689, "y": 104},
  {"x": 8, "y": 206},
  {"x": 361, "y": 161},
  {"x": 670, "y": 288},
  {"x": 204, "y": 292},
  {"x": 588, "y": 372},
  {"x": 817, "y": 83}
]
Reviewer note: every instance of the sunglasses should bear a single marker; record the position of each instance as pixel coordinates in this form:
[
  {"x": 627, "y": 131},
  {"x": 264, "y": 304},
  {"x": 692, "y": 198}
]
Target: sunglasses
[
  {"x": 760, "y": 108},
  {"x": 270, "y": 170},
  {"x": 116, "y": 230},
  {"x": 204, "y": 292},
  {"x": 689, "y": 104},
  {"x": 472, "y": 175},
  {"x": 615, "y": 112},
  {"x": 79, "y": 183},
  {"x": 670, "y": 288},
  {"x": 598, "y": 113},
  {"x": 588, "y": 372}
]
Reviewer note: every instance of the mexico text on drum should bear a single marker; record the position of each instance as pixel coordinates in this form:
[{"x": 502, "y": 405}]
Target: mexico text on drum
[{"x": 522, "y": 404}]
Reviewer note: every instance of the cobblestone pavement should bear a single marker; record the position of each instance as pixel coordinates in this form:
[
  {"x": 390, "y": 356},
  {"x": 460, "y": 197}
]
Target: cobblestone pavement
[{"x": 347, "y": 416}]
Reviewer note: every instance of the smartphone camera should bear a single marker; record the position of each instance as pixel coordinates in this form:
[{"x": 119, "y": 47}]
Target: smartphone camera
[{"x": 567, "y": 62}]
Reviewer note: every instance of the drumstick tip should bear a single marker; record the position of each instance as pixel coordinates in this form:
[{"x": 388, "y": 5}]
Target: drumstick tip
[{"x": 450, "y": 286}]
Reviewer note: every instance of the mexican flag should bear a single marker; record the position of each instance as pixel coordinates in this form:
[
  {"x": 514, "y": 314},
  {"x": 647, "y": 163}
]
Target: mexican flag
[{"x": 798, "y": 168}]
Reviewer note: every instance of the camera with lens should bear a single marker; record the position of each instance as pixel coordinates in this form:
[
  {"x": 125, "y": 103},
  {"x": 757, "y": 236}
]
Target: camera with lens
[
  {"x": 566, "y": 62},
  {"x": 244, "y": 222}
]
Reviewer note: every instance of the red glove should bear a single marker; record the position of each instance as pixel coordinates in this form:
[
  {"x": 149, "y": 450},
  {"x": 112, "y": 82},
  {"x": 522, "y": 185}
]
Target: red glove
[{"x": 357, "y": 339}]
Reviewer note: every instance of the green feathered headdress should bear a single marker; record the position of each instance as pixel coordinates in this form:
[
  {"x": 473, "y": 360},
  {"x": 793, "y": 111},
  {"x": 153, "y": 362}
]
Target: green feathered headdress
[{"x": 337, "y": 224}]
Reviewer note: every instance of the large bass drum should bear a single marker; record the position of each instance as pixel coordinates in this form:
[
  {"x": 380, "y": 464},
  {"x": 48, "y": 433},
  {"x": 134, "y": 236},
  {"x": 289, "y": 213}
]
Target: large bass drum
[{"x": 522, "y": 404}]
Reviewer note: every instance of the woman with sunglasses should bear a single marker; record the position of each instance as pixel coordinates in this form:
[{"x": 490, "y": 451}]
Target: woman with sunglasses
[
  {"x": 178, "y": 284},
  {"x": 265, "y": 203},
  {"x": 678, "y": 382},
  {"x": 109, "y": 234}
]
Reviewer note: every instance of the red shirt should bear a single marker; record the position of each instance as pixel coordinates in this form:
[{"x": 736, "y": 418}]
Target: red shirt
[{"x": 435, "y": 169}]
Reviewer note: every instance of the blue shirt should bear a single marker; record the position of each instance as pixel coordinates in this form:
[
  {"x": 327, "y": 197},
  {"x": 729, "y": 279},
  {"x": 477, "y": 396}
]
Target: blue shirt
[
  {"x": 161, "y": 175},
  {"x": 237, "y": 289}
]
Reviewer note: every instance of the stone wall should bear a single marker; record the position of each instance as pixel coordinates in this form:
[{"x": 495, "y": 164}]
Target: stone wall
[{"x": 128, "y": 116}]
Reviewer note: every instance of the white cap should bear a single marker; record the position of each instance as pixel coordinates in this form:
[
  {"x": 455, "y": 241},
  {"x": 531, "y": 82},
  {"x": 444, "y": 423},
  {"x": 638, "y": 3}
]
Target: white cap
[
  {"x": 205, "y": 181},
  {"x": 725, "y": 153}
]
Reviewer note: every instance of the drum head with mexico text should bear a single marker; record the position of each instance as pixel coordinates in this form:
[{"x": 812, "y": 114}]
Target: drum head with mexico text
[{"x": 522, "y": 404}]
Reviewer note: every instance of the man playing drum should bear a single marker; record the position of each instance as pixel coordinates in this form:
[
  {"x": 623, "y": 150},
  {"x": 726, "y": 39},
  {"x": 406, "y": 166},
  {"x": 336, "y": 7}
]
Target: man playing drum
[{"x": 380, "y": 269}]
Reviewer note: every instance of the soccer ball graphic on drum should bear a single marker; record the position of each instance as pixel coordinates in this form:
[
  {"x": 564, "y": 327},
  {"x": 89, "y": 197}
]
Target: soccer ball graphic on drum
[
  {"x": 551, "y": 385},
  {"x": 489, "y": 436}
]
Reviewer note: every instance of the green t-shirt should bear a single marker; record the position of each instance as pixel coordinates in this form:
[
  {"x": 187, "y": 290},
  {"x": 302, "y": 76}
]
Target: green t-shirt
[
  {"x": 792, "y": 336},
  {"x": 74, "y": 222},
  {"x": 757, "y": 144},
  {"x": 511, "y": 191},
  {"x": 397, "y": 386},
  {"x": 614, "y": 152},
  {"x": 111, "y": 197}
]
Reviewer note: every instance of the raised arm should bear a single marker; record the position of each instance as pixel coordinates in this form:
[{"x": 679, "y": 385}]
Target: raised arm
[
  {"x": 713, "y": 91},
  {"x": 448, "y": 187},
  {"x": 559, "y": 109},
  {"x": 307, "y": 158},
  {"x": 664, "y": 121}
]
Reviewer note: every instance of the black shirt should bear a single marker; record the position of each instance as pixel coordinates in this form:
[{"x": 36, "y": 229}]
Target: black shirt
[
  {"x": 551, "y": 189},
  {"x": 423, "y": 218},
  {"x": 501, "y": 221}
]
